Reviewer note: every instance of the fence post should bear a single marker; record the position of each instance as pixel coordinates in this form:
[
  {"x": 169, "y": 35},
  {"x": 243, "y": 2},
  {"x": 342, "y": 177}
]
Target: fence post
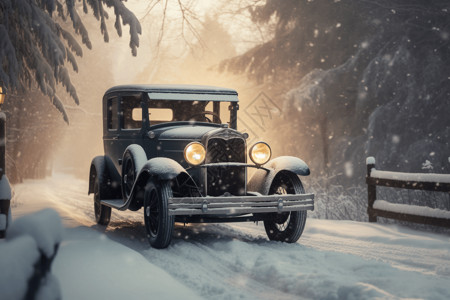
[{"x": 371, "y": 189}]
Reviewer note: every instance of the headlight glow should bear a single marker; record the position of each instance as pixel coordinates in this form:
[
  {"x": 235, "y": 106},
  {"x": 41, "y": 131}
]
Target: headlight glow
[
  {"x": 194, "y": 153},
  {"x": 260, "y": 153}
]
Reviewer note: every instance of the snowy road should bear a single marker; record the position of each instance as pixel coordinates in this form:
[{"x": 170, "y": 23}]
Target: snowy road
[{"x": 332, "y": 260}]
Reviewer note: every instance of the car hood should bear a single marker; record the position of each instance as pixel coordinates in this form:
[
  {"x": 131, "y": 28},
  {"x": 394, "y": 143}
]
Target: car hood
[{"x": 185, "y": 131}]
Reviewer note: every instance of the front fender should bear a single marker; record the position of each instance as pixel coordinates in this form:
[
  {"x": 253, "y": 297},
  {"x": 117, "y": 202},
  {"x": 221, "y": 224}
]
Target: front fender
[
  {"x": 162, "y": 167},
  {"x": 159, "y": 168},
  {"x": 262, "y": 179},
  {"x": 103, "y": 168}
]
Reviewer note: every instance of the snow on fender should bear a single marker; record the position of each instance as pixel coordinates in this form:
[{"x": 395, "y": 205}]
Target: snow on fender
[
  {"x": 162, "y": 167},
  {"x": 262, "y": 179},
  {"x": 138, "y": 154},
  {"x": 289, "y": 163}
]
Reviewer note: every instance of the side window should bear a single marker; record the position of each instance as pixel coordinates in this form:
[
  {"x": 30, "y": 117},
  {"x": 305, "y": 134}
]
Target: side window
[
  {"x": 113, "y": 119},
  {"x": 160, "y": 111},
  {"x": 160, "y": 115},
  {"x": 131, "y": 112}
]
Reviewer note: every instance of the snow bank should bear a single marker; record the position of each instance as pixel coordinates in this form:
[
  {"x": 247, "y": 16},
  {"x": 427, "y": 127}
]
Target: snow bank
[
  {"x": 2, "y": 221},
  {"x": 27, "y": 254},
  {"x": 50, "y": 290},
  {"x": 425, "y": 177},
  {"x": 91, "y": 266},
  {"x": 412, "y": 209},
  {"x": 17, "y": 259},
  {"x": 44, "y": 226}
]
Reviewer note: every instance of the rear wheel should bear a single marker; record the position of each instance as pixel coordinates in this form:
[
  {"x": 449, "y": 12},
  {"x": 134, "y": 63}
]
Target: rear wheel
[
  {"x": 158, "y": 223},
  {"x": 102, "y": 212},
  {"x": 133, "y": 160},
  {"x": 129, "y": 173},
  {"x": 287, "y": 226}
]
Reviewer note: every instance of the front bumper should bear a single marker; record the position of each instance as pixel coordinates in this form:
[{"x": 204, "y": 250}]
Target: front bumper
[{"x": 188, "y": 206}]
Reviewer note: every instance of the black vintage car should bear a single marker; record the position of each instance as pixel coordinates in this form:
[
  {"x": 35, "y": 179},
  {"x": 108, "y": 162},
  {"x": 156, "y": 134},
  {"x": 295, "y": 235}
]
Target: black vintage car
[{"x": 176, "y": 152}]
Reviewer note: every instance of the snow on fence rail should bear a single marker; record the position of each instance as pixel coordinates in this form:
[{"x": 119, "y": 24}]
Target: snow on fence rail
[
  {"x": 26, "y": 255},
  {"x": 410, "y": 213}
]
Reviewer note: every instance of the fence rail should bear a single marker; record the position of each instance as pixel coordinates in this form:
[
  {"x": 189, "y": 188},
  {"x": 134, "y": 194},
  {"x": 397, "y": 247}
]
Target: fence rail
[{"x": 410, "y": 213}]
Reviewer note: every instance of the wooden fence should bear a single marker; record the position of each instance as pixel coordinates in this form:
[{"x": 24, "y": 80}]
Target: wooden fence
[{"x": 410, "y": 213}]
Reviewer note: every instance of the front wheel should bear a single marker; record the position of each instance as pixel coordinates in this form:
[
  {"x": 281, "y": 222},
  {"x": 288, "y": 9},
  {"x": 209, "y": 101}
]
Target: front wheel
[
  {"x": 158, "y": 223},
  {"x": 288, "y": 226}
]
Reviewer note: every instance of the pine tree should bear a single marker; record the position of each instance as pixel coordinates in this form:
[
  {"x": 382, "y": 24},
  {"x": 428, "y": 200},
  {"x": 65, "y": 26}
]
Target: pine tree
[
  {"x": 365, "y": 78},
  {"x": 35, "y": 48}
]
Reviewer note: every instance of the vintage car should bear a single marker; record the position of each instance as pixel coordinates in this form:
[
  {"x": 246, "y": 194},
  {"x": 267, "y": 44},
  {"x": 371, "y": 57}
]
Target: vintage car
[{"x": 175, "y": 151}]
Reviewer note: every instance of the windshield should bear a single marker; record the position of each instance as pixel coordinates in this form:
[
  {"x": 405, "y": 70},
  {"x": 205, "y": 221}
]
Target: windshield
[{"x": 162, "y": 111}]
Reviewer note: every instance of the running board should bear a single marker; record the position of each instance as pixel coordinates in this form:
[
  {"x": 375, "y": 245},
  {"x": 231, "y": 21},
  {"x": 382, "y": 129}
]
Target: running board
[{"x": 115, "y": 203}]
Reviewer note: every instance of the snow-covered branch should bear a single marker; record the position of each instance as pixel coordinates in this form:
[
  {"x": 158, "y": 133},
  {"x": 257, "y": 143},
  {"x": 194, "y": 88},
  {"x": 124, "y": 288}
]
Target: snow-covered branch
[{"x": 35, "y": 47}]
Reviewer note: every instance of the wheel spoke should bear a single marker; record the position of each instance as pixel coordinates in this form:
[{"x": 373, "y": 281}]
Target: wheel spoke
[
  {"x": 129, "y": 185},
  {"x": 152, "y": 214}
]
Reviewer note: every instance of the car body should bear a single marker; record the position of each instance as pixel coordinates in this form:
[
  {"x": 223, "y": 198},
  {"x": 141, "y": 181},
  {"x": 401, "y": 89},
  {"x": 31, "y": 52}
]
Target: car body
[{"x": 168, "y": 150}]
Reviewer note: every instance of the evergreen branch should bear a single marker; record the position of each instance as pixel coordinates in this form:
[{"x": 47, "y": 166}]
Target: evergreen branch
[
  {"x": 64, "y": 78},
  {"x": 71, "y": 41},
  {"x": 71, "y": 59},
  {"x": 60, "y": 106}
]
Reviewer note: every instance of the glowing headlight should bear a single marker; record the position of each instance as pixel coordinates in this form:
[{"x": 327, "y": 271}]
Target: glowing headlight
[
  {"x": 194, "y": 153},
  {"x": 260, "y": 153}
]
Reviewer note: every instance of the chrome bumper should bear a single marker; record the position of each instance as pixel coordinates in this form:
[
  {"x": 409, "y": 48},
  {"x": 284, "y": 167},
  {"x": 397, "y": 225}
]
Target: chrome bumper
[{"x": 188, "y": 206}]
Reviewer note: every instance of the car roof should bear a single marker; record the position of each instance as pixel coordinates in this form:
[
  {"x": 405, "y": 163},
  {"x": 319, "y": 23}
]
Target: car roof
[{"x": 180, "y": 92}]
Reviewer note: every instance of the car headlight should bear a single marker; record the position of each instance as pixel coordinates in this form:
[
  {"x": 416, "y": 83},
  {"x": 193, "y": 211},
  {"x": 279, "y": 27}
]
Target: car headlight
[
  {"x": 260, "y": 153},
  {"x": 194, "y": 153}
]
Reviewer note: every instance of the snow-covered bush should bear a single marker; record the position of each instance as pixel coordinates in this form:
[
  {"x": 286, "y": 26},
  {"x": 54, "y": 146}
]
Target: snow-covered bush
[
  {"x": 337, "y": 202},
  {"x": 26, "y": 256}
]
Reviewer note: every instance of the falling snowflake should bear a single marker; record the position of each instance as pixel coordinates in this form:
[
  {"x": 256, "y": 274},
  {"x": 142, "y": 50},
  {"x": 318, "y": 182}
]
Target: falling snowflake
[{"x": 427, "y": 165}]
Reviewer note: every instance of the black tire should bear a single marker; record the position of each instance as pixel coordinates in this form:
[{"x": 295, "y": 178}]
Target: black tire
[
  {"x": 102, "y": 212},
  {"x": 158, "y": 224},
  {"x": 129, "y": 174},
  {"x": 286, "y": 227}
]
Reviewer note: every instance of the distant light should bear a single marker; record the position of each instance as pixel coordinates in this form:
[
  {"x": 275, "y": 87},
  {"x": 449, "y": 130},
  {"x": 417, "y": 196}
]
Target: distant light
[{"x": 2, "y": 95}]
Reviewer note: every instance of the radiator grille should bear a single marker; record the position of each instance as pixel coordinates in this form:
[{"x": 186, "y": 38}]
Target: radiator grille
[{"x": 223, "y": 179}]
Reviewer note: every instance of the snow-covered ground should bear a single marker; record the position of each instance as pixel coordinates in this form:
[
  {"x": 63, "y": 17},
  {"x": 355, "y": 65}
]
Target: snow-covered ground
[{"x": 332, "y": 260}]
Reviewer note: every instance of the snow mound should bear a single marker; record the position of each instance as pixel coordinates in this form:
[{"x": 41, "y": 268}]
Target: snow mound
[
  {"x": 108, "y": 270},
  {"x": 44, "y": 226},
  {"x": 17, "y": 261},
  {"x": 2, "y": 221}
]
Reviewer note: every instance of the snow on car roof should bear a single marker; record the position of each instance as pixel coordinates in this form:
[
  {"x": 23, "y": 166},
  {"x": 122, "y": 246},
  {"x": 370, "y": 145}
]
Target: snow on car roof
[{"x": 180, "y": 92}]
